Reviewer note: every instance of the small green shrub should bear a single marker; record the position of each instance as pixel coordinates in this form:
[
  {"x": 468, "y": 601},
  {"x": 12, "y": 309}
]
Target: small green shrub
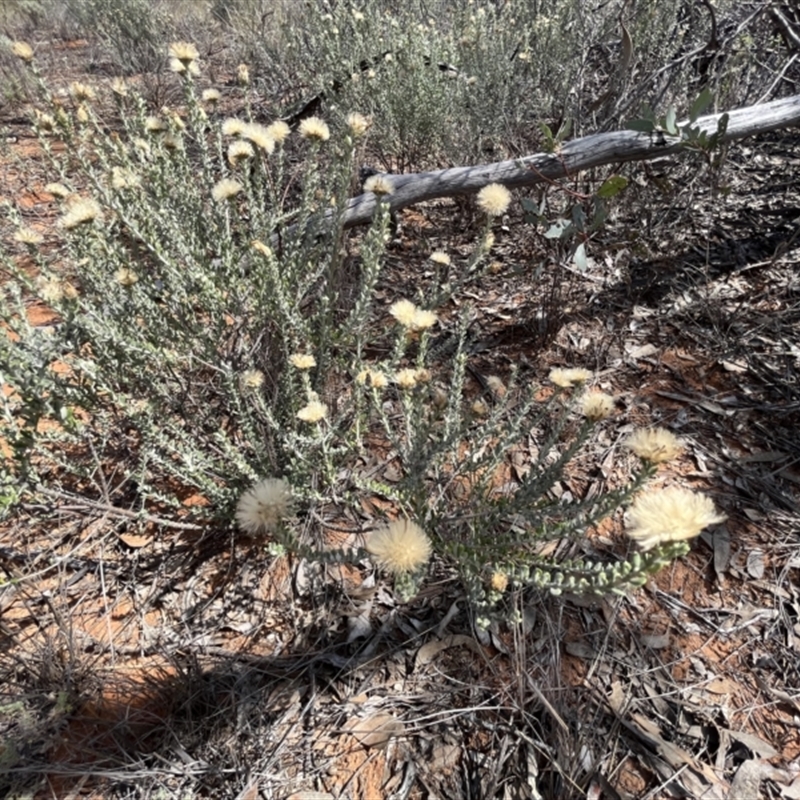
[{"x": 216, "y": 325}]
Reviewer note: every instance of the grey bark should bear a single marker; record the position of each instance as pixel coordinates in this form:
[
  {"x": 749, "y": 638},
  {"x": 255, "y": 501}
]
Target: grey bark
[{"x": 574, "y": 156}]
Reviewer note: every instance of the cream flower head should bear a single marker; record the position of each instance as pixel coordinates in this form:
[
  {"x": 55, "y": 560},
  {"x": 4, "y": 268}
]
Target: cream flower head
[
  {"x": 233, "y": 127},
  {"x": 261, "y": 508},
  {"x": 597, "y": 406},
  {"x": 239, "y": 151},
  {"x": 28, "y": 236},
  {"x": 440, "y": 257},
  {"x": 411, "y": 317},
  {"x": 378, "y": 185},
  {"x": 358, "y": 124},
  {"x": 251, "y": 379},
  {"x": 655, "y": 445},
  {"x": 279, "y": 131},
  {"x": 566, "y": 378},
  {"x": 259, "y": 135},
  {"x": 406, "y": 378},
  {"x": 80, "y": 211},
  {"x": 226, "y": 189},
  {"x": 315, "y": 129},
  {"x": 401, "y": 547},
  {"x": 494, "y": 199},
  {"x": 185, "y": 52},
  {"x": 302, "y": 361},
  {"x": 83, "y": 93},
  {"x": 313, "y": 411},
  {"x": 210, "y": 96},
  {"x": 22, "y": 50},
  {"x": 660, "y": 516}
]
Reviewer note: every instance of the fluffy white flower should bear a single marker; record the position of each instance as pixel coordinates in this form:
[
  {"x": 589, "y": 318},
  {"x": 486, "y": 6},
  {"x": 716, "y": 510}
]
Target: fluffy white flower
[{"x": 261, "y": 508}]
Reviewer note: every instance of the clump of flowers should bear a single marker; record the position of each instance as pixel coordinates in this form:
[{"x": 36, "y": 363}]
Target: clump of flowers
[
  {"x": 402, "y": 547},
  {"x": 261, "y": 508},
  {"x": 566, "y": 378},
  {"x": 406, "y": 378},
  {"x": 411, "y": 317},
  {"x": 674, "y": 514},
  {"x": 656, "y": 445},
  {"x": 494, "y": 199},
  {"x": 315, "y": 129},
  {"x": 259, "y": 135},
  {"x": 373, "y": 378}
]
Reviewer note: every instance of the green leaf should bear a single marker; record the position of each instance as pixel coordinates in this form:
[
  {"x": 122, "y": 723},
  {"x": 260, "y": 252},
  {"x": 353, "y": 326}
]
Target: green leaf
[
  {"x": 612, "y": 187},
  {"x": 669, "y": 123},
  {"x": 643, "y": 125},
  {"x": 549, "y": 139},
  {"x": 558, "y": 229},
  {"x": 579, "y": 259},
  {"x": 702, "y": 102}
]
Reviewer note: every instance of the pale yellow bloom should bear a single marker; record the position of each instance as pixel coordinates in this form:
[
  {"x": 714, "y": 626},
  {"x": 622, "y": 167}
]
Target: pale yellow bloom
[
  {"x": 243, "y": 74},
  {"x": 376, "y": 379},
  {"x": 303, "y": 361},
  {"x": 28, "y": 236},
  {"x": 314, "y": 411},
  {"x": 119, "y": 87},
  {"x": 80, "y": 211},
  {"x": 22, "y": 50},
  {"x": 279, "y": 131},
  {"x": 239, "y": 151},
  {"x": 233, "y": 127},
  {"x": 176, "y": 65},
  {"x": 499, "y": 581},
  {"x": 379, "y": 185},
  {"x": 210, "y": 96},
  {"x": 406, "y": 378},
  {"x": 404, "y": 312},
  {"x": 50, "y": 289},
  {"x": 153, "y": 124},
  {"x": 569, "y": 377},
  {"x": 315, "y": 128},
  {"x": 260, "y": 247},
  {"x": 358, "y": 124},
  {"x": 668, "y": 515},
  {"x": 124, "y": 178},
  {"x": 597, "y": 406},
  {"x": 225, "y": 189},
  {"x": 423, "y": 320},
  {"x": 126, "y": 277},
  {"x": 479, "y": 408},
  {"x": 251, "y": 379},
  {"x": 82, "y": 92},
  {"x": 494, "y": 199},
  {"x": 58, "y": 190},
  {"x": 401, "y": 547},
  {"x": 440, "y": 257},
  {"x": 259, "y": 136},
  {"x": 261, "y": 508},
  {"x": 185, "y": 52},
  {"x": 495, "y": 383},
  {"x": 656, "y": 445}
]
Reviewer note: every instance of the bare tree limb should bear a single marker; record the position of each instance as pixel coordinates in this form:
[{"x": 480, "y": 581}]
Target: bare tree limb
[{"x": 575, "y": 156}]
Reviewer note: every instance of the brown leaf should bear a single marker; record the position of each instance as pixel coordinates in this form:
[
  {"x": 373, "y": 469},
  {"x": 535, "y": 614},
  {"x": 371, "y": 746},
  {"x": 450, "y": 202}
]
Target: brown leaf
[
  {"x": 375, "y": 731},
  {"x": 134, "y": 540}
]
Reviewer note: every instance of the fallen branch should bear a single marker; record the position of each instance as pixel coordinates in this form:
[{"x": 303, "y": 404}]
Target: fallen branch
[{"x": 575, "y": 156}]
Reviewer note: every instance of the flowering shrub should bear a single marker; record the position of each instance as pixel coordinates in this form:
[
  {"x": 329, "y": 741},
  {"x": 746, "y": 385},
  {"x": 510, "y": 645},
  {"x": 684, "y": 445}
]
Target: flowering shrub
[{"x": 209, "y": 334}]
